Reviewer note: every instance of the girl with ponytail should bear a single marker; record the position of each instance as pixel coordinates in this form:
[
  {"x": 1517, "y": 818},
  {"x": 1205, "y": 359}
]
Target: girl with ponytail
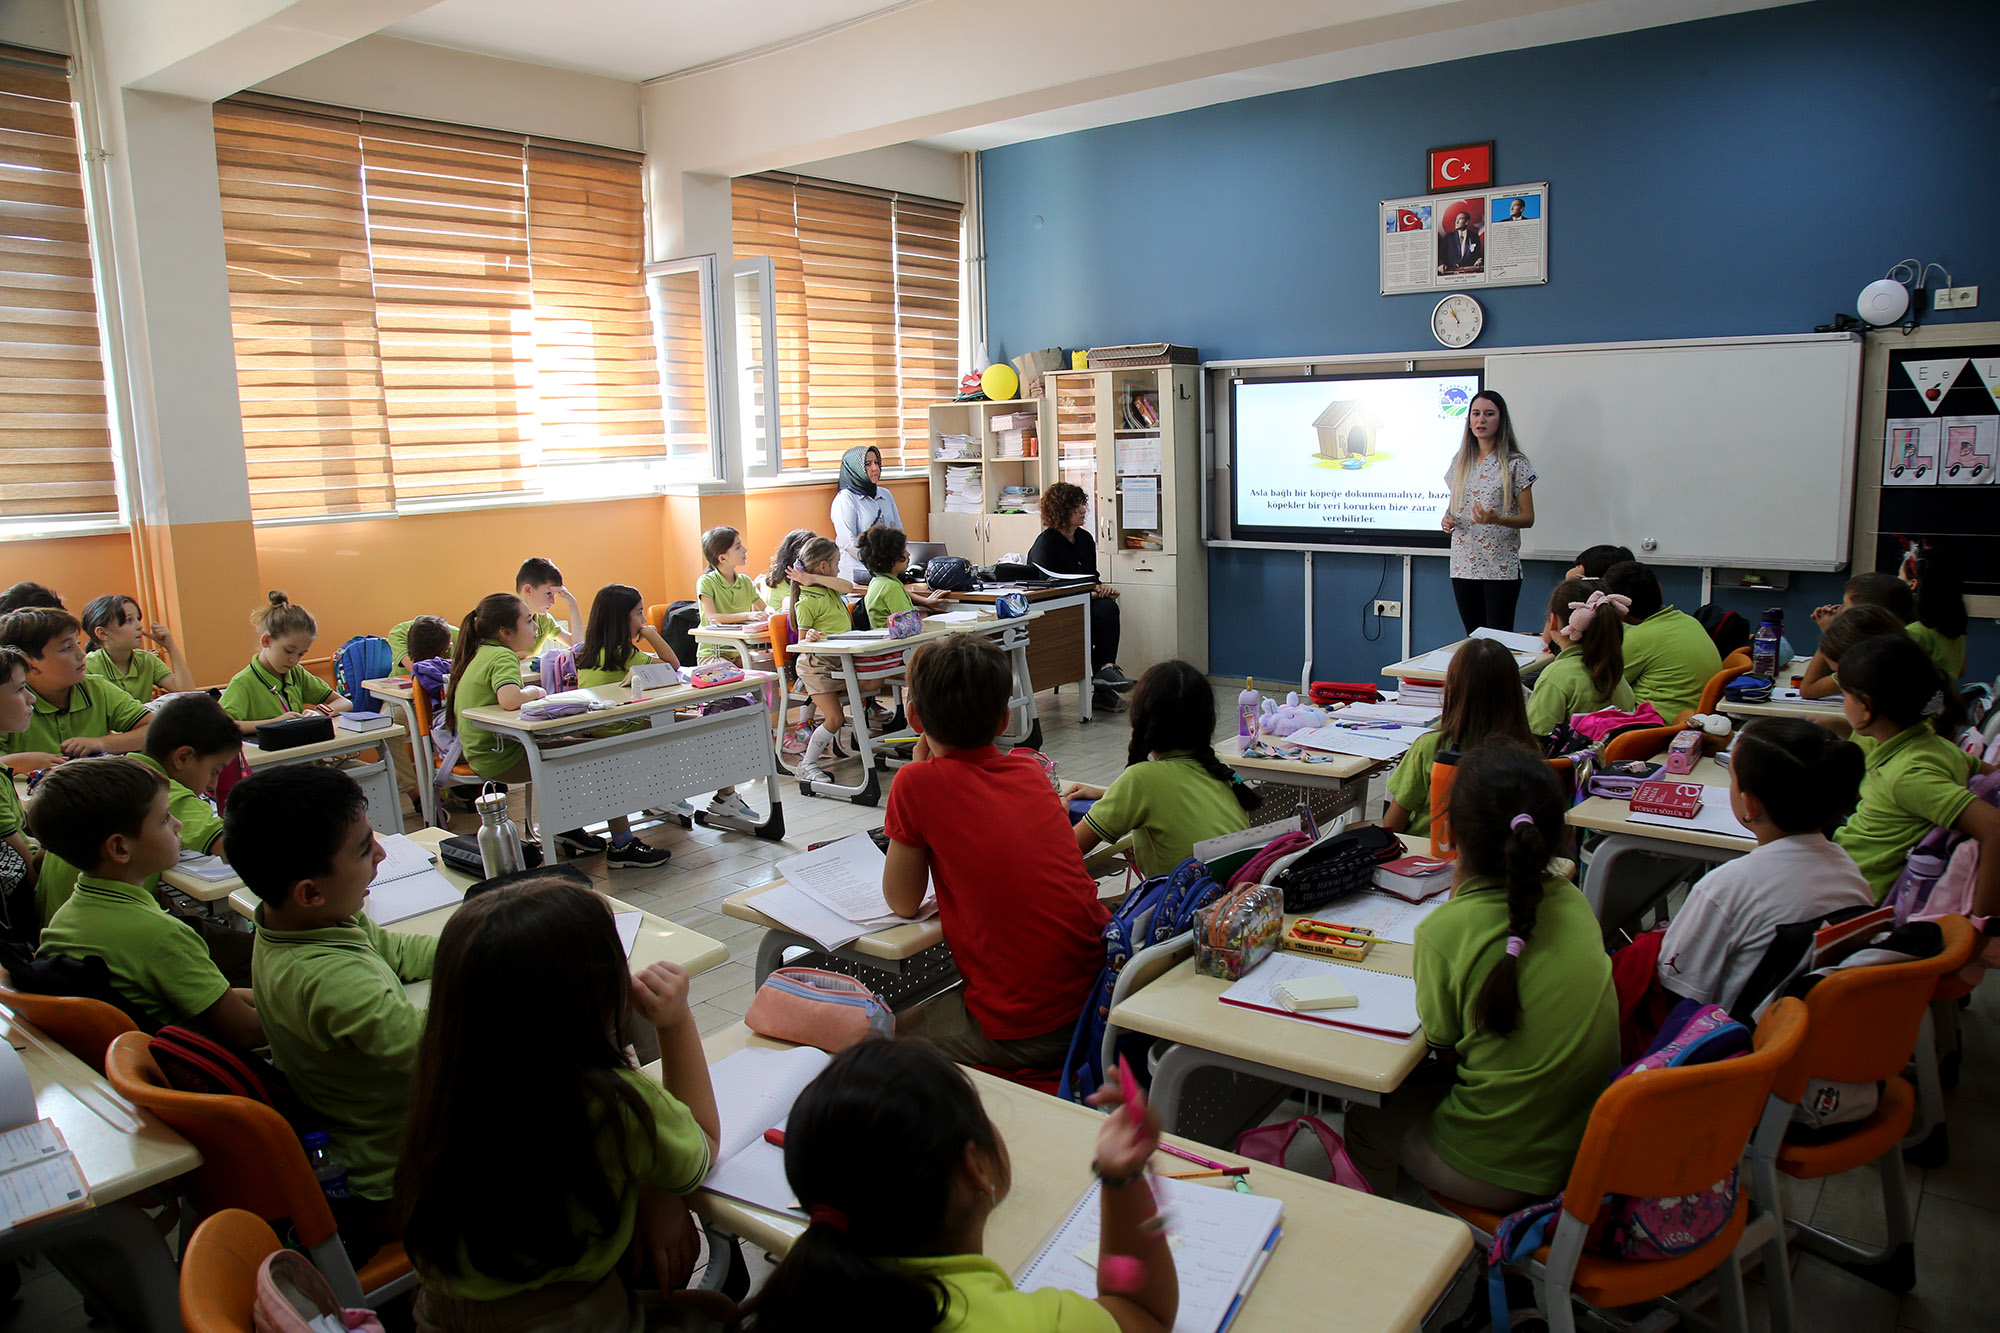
[
  {"x": 1174, "y": 792},
  {"x": 485, "y": 671},
  {"x": 1904, "y": 713},
  {"x": 899, "y": 1251},
  {"x": 276, "y": 684},
  {"x": 1514, "y": 990},
  {"x": 1586, "y": 632}
]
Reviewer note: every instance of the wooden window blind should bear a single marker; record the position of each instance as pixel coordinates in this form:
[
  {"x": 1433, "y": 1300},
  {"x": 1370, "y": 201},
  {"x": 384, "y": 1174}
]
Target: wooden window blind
[
  {"x": 866, "y": 288},
  {"x": 55, "y": 427},
  {"x": 425, "y": 312}
]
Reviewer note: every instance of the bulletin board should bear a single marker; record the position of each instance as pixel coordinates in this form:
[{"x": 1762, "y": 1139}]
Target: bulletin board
[{"x": 1930, "y": 466}]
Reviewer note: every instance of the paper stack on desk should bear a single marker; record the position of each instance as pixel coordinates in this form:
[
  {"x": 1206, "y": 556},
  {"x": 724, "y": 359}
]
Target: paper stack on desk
[{"x": 833, "y": 894}]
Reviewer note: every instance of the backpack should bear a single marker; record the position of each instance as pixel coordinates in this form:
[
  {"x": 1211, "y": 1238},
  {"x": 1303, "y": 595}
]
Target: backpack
[
  {"x": 1259, "y": 865},
  {"x": 1943, "y": 868},
  {"x": 1628, "y": 1227},
  {"x": 1336, "y": 866},
  {"x": 193, "y": 1062},
  {"x": 1726, "y": 630},
  {"x": 62, "y": 974},
  {"x": 1166, "y": 905},
  {"x": 678, "y": 627},
  {"x": 1605, "y": 723},
  {"x": 363, "y": 657},
  {"x": 558, "y": 669}
]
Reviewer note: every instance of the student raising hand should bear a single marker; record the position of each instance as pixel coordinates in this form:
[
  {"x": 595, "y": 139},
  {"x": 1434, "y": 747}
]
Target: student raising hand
[{"x": 1136, "y": 1280}]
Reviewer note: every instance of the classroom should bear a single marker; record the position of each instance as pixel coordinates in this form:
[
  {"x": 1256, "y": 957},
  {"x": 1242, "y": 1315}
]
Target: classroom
[{"x": 1281, "y": 423}]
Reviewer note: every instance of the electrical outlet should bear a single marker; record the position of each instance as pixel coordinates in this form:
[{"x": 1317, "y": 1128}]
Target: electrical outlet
[
  {"x": 1954, "y": 298},
  {"x": 1389, "y": 610}
]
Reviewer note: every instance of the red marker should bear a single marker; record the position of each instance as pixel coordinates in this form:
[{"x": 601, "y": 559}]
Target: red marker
[{"x": 775, "y": 1137}]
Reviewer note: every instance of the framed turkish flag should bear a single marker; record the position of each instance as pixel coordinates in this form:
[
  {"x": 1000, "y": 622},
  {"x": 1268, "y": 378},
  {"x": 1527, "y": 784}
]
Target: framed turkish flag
[{"x": 1466, "y": 166}]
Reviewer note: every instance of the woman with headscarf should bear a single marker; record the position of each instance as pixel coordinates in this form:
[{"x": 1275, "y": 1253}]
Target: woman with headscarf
[{"x": 862, "y": 503}]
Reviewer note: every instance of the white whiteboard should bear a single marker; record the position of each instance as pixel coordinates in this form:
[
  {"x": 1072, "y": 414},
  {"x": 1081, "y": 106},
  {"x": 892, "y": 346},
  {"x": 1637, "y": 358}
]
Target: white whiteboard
[{"x": 1734, "y": 452}]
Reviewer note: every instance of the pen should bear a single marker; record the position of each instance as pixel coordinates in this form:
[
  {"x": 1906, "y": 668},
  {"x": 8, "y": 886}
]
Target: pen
[
  {"x": 1338, "y": 932},
  {"x": 1187, "y": 1156},
  {"x": 1196, "y": 1175}
]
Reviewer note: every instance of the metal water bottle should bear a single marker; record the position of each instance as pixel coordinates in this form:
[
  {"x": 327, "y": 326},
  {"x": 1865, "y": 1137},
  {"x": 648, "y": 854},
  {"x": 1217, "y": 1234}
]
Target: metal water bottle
[{"x": 499, "y": 836}]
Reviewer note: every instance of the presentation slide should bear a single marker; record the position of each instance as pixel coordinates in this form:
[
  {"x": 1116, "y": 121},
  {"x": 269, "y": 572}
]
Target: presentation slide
[{"x": 1346, "y": 459}]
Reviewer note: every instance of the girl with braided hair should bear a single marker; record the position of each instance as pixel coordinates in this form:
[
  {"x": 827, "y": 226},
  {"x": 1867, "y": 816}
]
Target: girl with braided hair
[
  {"x": 1514, "y": 990},
  {"x": 1174, "y": 792}
]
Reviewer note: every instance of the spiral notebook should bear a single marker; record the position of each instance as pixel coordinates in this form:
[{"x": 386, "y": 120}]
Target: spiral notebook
[{"x": 1225, "y": 1239}]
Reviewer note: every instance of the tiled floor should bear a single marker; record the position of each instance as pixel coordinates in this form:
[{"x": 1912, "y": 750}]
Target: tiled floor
[{"x": 1958, "y": 1206}]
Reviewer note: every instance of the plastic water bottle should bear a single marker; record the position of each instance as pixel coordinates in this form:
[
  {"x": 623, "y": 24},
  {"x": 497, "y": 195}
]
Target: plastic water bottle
[
  {"x": 330, "y": 1171},
  {"x": 1248, "y": 704},
  {"x": 499, "y": 836},
  {"x": 1764, "y": 644}
]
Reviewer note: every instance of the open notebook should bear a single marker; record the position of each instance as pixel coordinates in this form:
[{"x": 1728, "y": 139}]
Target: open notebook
[
  {"x": 39, "y": 1178},
  {"x": 754, "y": 1091},
  {"x": 1224, "y": 1238},
  {"x": 1387, "y": 1008},
  {"x": 407, "y": 884}
]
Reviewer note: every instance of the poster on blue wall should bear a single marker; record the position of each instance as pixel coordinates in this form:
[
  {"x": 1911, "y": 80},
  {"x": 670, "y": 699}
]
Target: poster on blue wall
[{"x": 1488, "y": 238}]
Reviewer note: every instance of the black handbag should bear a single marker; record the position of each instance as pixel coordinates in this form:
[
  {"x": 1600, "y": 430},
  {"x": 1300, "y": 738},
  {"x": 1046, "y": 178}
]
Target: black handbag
[
  {"x": 290, "y": 732},
  {"x": 949, "y": 573},
  {"x": 1337, "y": 866}
]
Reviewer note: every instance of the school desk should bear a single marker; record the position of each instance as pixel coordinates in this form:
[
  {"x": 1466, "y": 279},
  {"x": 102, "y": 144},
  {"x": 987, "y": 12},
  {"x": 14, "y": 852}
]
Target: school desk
[
  {"x": 1407, "y": 669},
  {"x": 395, "y": 691},
  {"x": 1060, "y": 654},
  {"x": 669, "y": 756},
  {"x": 1344, "y": 776},
  {"x": 114, "y": 1247},
  {"x": 1348, "y": 1261},
  {"x": 1826, "y": 712},
  {"x": 1616, "y": 903},
  {"x": 1024, "y": 725},
  {"x": 377, "y": 776}
]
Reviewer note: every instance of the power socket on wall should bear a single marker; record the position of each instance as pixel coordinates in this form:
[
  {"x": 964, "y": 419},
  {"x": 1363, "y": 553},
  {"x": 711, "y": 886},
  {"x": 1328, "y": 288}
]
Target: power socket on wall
[
  {"x": 1954, "y": 298},
  {"x": 1389, "y": 610}
]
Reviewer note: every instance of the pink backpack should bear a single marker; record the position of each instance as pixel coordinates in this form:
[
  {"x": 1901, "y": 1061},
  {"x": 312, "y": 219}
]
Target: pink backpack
[
  {"x": 1594, "y": 727},
  {"x": 1278, "y": 848},
  {"x": 1942, "y": 871},
  {"x": 1267, "y": 1143}
]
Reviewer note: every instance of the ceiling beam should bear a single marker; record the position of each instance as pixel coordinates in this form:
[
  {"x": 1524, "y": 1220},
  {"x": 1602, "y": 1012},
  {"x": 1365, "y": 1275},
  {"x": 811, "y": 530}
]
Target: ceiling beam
[{"x": 209, "y": 49}]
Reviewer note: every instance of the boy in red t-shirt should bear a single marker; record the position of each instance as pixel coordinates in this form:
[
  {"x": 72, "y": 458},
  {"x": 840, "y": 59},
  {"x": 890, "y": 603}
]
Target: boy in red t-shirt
[{"x": 1018, "y": 909}]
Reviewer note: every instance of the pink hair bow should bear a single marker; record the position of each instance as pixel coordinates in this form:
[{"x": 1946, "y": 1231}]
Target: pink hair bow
[{"x": 1582, "y": 613}]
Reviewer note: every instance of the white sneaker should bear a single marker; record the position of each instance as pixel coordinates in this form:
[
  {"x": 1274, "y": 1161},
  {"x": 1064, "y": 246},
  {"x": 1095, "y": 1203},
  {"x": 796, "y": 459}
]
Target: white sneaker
[
  {"x": 731, "y": 807},
  {"x": 811, "y": 773}
]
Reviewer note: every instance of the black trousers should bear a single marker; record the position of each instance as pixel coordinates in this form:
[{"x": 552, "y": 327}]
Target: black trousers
[
  {"x": 1486, "y": 603},
  {"x": 1104, "y": 631}
]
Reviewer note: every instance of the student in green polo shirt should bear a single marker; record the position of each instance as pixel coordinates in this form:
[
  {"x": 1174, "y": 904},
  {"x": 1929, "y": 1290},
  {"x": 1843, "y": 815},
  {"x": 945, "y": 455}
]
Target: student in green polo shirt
[
  {"x": 18, "y": 859},
  {"x": 1174, "y": 792},
  {"x": 276, "y": 684},
  {"x": 539, "y": 584},
  {"x": 111, "y": 818},
  {"x": 1512, "y": 981},
  {"x": 1483, "y": 705},
  {"x": 1902, "y": 710},
  {"x": 1586, "y": 632},
  {"x": 113, "y": 628},
  {"x": 328, "y": 981},
  {"x": 1938, "y": 620},
  {"x": 399, "y": 641},
  {"x": 885, "y": 554},
  {"x": 727, "y": 596},
  {"x": 75, "y": 714},
  {"x": 1669, "y": 658}
]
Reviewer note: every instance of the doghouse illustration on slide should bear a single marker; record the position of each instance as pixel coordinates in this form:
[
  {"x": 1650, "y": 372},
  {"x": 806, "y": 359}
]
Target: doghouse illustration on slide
[{"x": 1346, "y": 429}]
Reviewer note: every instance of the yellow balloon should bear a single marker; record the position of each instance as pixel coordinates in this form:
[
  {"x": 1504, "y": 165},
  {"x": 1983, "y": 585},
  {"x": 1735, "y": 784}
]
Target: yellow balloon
[{"x": 1000, "y": 383}]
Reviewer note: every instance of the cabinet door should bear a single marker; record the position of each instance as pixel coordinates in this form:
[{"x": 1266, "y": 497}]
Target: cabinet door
[
  {"x": 1149, "y": 628},
  {"x": 960, "y": 533},
  {"x": 1010, "y": 534}
]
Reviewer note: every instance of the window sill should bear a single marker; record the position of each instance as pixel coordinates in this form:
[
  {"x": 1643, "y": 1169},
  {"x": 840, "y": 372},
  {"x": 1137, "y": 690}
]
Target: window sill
[
  {"x": 789, "y": 479},
  {"x": 32, "y": 531}
]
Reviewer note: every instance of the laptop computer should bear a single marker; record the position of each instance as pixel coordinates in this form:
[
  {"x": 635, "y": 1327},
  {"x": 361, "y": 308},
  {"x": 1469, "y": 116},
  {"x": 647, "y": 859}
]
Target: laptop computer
[{"x": 922, "y": 552}]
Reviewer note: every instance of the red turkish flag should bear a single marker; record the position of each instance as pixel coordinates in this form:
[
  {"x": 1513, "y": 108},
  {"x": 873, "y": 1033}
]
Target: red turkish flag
[
  {"x": 1408, "y": 221},
  {"x": 1461, "y": 168}
]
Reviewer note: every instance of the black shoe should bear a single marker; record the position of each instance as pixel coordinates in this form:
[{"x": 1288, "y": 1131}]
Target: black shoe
[
  {"x": 1111, "y": 678},
  {"x": 1104, "y": 699},
  {"x": 575, "y": 842},
  {"x": 636, "y": 854}
]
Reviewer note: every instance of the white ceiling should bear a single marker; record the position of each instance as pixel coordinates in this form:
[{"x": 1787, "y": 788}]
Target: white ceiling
[{"x": 627, "y": 39}]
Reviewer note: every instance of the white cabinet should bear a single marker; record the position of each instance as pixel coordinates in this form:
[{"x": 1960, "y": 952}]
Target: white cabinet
[{"x": 986, "y": 477}]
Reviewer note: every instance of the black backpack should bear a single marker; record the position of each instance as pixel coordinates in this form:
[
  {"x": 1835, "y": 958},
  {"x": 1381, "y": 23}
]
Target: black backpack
[
  {"x": 678, "y": 629},
  {"x": 1726, "y": 630}
]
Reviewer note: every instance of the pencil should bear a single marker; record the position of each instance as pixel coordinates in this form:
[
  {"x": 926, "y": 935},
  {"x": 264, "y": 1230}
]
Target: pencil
[
  {"x": 1187, "y": 1156},
  {"x": 1196, "y": 1175},
  {"x": 1338, "y": 932}
]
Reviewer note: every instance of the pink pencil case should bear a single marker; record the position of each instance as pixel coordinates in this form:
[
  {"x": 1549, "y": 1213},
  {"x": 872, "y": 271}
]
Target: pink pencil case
[{"x": 814, "y": 1008}]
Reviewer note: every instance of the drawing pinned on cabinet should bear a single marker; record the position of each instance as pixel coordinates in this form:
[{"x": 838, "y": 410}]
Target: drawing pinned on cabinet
[{"x": 1910, "y": 452}]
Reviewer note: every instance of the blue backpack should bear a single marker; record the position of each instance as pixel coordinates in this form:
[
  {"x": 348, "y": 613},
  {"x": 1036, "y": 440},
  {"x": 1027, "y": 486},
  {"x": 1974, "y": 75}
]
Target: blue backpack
[
  {"x": 1171, "y": 900},
  {"x": 1627, "y": 1227},
  {"x": 363, "y": 657}
]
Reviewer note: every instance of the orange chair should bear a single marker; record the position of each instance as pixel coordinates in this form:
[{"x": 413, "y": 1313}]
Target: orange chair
[
  {"x": 1642, "y": 743},
  {"x": 1733, "y": 666},
  {"x": 1865, "y": 1025},
  {"x": 1660, "y": 1134},
  {"x": 1442, "y": 776},
  {"x": 83, "y": 1027},
  {"x": 251, "y": 1159},
  {"x": 656, "y": 616},
  {"x": 219, "y": 1271}
]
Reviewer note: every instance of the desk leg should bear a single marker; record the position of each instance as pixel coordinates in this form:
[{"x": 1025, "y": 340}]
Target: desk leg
[
  {"x": 772, "y": 948},
  {"x": 385, "y": 803},
  {"x": 1085, "y": 690},
  {"x": 544, "y": 827},
  {"x": 868, "y": 791},
  {"x": 406, "y": 713}
]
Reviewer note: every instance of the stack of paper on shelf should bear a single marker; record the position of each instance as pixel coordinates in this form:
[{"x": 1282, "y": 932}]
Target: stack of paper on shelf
[
  {"x": 964, "y": 490},
  {"x": 954, "y": 446}
]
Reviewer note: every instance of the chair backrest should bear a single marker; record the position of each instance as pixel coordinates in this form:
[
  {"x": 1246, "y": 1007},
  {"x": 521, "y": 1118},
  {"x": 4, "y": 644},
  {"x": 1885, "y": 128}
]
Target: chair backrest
[
  {"x": 1443, "y": 775},
  {"x": 219, "y": 1272},
  {"x": 1733, "y": 666},
  {"x": 1643, "y": 743},
  {"x": 656, "y": 614},
  {"x": 1865, "y": 1020},
  {"x": 250, "y": 1158},
  {"x": 1664, "y": 1133},
  {"x": 83, "y": 1027}
]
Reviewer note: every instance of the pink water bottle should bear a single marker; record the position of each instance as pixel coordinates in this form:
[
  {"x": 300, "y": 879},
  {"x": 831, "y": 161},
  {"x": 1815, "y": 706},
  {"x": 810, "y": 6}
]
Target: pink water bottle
[{"x": 1247, "y": 704}]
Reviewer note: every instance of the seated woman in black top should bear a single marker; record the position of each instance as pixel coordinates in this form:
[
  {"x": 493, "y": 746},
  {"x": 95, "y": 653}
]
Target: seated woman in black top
[{"x": 1066, "y": 548}]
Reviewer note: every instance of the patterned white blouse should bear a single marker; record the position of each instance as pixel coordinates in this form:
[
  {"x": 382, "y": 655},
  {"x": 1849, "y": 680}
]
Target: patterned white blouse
[{"x": 1488, "y": 550}]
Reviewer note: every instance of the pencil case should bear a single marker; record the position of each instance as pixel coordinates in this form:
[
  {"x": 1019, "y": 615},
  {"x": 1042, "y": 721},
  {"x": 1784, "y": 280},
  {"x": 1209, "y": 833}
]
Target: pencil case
[
  {"x": 1238, "y": 931},
  {"x": 715, "y": 671},
  {"x": 808, "y": 1007},
  {"x": 291, "y": 732},
  {"x": 903, "y": 624}
]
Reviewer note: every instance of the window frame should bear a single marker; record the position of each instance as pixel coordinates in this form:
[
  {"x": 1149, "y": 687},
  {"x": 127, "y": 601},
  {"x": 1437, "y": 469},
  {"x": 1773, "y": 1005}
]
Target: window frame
[{"x": 704, "y": 267}]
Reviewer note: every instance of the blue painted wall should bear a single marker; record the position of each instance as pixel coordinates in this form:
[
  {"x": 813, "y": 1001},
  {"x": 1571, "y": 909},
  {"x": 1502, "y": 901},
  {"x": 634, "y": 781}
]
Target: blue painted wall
[{"x": 1741, "y": 175}]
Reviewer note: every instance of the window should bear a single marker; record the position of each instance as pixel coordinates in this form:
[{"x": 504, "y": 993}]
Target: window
[
  {"x": 865, "y": 287},
  {"x": 426, "y": 313},
  {"x": 57, "y": 463}
]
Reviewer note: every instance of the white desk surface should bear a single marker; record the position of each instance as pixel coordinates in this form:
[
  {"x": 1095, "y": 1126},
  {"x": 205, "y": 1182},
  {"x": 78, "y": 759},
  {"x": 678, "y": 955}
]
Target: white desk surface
[
  {"x": 758, "y": 633},
  {"x": 1335, "y": 766},
  {"x": 1408, "y": 670},
  {"x": 1826, "y": 712},
  {"x": 892, "y": 944},
  {"x": 623, "y": 706},
  {"x": 390, "y": 687},
  {"x": 120, "y": 1148},
  {"x": 1408, "y": 1254},
  {"x": 1601, "y": 814},
  {"x": 343, "y": 742},
  {"x": 660, "y": 940},
  {"x": 931, "y": 631}
]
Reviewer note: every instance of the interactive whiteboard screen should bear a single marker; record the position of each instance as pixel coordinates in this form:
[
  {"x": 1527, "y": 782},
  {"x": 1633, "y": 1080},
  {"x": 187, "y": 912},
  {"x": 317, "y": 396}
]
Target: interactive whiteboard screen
[{"x": 1346, "y": 460}]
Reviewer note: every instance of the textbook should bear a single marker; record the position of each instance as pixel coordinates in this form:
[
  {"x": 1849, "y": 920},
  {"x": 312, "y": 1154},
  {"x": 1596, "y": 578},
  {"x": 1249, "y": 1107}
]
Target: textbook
[
  {"x": 1413, "y": 878},
  {"x": 39, "y": 1176},
  {"x": 754, "y": 1092},
  {"x": 1221, "y": 1241},
  {"x": 360, "y": 721}
]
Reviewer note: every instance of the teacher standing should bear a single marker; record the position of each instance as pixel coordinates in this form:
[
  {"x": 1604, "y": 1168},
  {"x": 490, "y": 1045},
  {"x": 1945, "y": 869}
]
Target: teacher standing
[
  {"x": 1492, "y": 499},
  {"x": 862, "y": 503}
]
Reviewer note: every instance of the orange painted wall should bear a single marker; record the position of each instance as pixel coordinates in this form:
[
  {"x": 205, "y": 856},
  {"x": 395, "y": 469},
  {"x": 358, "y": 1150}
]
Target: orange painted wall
[{"x": 79, "y": 568}]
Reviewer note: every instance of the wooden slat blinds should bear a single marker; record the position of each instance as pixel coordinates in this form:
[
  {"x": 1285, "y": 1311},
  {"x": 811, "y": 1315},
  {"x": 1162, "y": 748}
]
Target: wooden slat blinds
[
  {"x": 55, "y": 430},
  {"x": 426, "y": 312},
  {"x": 866, "y": 288}
]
